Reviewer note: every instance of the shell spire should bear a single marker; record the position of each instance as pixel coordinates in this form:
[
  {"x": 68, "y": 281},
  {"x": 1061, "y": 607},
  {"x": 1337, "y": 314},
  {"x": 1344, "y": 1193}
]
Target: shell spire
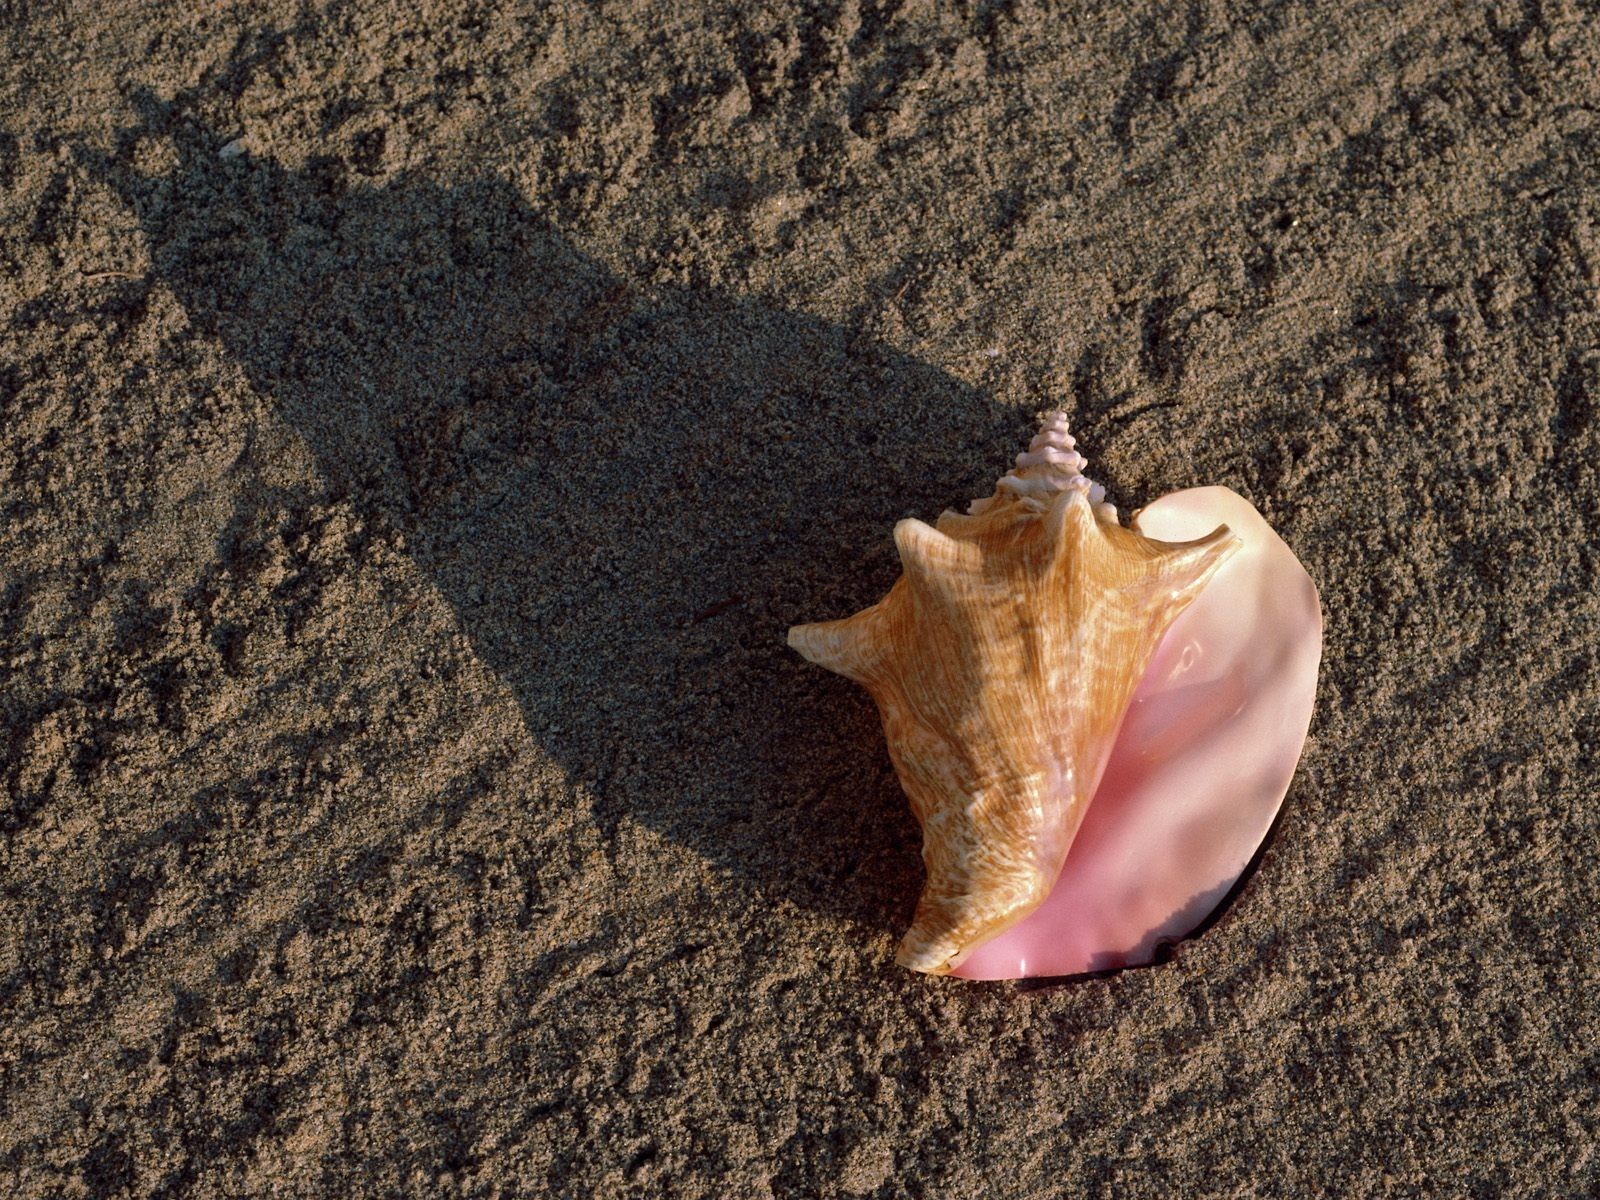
[
  {"x": 1002, "y": 662},
  {"x": 1050, "y": 465}
]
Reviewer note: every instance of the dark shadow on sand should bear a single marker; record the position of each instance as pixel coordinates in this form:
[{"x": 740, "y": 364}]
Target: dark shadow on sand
[{"x": 626, "y": 493}]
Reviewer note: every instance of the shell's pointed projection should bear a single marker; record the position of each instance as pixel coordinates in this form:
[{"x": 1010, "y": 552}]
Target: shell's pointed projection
[{"x": 1003, "y": 662}]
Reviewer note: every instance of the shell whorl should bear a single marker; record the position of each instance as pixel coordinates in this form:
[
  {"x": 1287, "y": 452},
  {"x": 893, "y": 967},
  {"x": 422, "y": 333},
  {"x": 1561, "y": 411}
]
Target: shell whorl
[{"x": 1049, "y": 466}]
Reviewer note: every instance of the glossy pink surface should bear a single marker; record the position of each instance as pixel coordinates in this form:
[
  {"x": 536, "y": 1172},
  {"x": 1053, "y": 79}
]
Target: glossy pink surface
[{"x": 1201, "y": 763}]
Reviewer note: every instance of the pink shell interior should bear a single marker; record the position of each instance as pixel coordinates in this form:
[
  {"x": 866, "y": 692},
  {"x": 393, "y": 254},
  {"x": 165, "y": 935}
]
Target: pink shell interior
[{"x": 1201, "y": 763}]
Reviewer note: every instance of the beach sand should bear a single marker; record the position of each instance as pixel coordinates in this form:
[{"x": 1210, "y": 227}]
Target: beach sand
[{"x": 419, "y": 424}]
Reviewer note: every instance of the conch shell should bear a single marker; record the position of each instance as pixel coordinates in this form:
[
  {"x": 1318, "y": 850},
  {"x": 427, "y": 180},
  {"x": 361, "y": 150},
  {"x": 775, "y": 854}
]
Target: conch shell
[{"x": 1003, "y": 661}]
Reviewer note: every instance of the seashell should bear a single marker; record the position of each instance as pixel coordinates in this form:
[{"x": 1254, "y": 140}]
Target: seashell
[{"x": 1003, "y": 661}]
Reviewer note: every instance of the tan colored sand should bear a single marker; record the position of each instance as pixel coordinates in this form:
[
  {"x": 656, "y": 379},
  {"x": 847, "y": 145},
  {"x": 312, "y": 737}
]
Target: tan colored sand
[{"x": 419, "y": 423}]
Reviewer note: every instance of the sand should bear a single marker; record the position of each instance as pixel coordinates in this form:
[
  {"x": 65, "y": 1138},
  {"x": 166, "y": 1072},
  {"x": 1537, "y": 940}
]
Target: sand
[{"x": 419, "y": 423}]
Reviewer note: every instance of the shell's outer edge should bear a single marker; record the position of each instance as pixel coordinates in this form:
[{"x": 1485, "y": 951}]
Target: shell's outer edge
[{"x": 1002, "y": 662}]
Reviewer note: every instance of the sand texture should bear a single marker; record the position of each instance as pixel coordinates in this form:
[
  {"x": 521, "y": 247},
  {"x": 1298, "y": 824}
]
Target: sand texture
[{"x": 419, "y": 423}]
